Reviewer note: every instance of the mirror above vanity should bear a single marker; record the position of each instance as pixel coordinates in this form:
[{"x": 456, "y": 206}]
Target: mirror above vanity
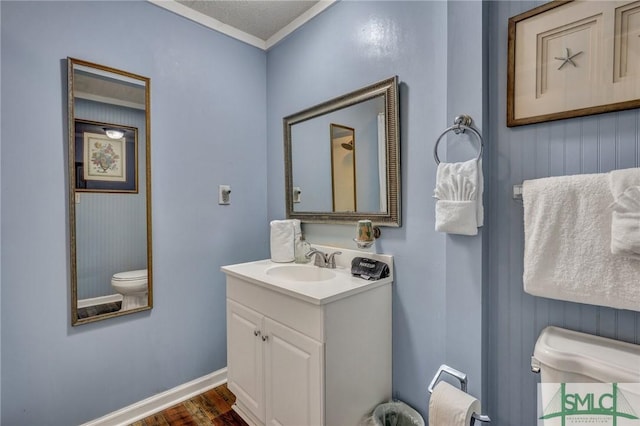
[
  {"x": 109, "y": 192},
  {"x": 342, "y": 158}
]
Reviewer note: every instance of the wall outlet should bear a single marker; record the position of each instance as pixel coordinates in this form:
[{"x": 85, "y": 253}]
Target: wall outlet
[{"x": 224, "y": 194}]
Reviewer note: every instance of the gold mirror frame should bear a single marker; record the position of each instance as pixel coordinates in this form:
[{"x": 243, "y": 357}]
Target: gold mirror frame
[
  {"x": 388, "y": 89},
  {"x": 72, "y": 64}
]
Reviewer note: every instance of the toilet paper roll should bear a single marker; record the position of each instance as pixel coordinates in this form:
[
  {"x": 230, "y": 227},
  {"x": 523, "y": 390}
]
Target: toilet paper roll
[{"x": 449, "y": 406}]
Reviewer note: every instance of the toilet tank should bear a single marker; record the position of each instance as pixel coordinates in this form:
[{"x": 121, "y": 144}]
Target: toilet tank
[{"x": 566, "y": 356}]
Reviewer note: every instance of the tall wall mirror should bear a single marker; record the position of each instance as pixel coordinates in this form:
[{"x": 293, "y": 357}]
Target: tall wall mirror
[
  {"x": 342, "y": 158},
  {"x": 109, "y": 192}
]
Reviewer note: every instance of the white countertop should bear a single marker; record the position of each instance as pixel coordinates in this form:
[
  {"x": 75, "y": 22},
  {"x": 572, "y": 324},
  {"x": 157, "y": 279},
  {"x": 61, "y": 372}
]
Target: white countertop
[{"x": 315, "y": 292}]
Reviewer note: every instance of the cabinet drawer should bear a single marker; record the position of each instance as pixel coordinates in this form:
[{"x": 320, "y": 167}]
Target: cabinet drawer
[{"x": 301, "y": 316}]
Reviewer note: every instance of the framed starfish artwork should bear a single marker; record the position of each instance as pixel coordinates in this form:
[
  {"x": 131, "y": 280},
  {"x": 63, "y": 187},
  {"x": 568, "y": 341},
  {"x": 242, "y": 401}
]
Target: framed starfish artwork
[{"x": 573, "y": 58}]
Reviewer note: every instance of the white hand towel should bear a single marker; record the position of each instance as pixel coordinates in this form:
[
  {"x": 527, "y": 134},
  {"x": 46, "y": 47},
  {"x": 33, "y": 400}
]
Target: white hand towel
[
  {"x": 456, "y": 217},
  {"x": 567, "y": 239},
  {"x": 625, "y": 224},
  {"x": 283, "y": 241},
  {"x": 459, "y": 188},
  {"x": 620, "y": 180},
  {"x": 625, "y": 219},
  {"x": 450, "y": 406}
]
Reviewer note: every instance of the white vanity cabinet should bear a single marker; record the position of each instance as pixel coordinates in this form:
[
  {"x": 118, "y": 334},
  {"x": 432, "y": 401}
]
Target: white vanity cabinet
[
  {"x": 276, "y": 371},
  {"x": 297, "y": 360}
]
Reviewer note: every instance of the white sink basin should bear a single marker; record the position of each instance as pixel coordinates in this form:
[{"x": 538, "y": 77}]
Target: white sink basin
[
  {"x": 307, "y": 282},
  {"x": 300, "y": 273}
]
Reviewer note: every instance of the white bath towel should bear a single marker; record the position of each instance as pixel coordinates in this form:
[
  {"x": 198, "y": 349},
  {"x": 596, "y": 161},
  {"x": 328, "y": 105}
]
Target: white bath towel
[
  {"x": 625, "y": 219},
  {"x": 458, "y": 191},
  {"x": 567, "y": 256},
  {"x": 283, "y": 240}
]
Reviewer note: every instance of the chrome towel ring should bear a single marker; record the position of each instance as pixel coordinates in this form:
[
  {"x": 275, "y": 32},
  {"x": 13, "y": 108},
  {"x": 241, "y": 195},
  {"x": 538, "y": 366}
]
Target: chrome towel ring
[{"x": 460, "y": 125}]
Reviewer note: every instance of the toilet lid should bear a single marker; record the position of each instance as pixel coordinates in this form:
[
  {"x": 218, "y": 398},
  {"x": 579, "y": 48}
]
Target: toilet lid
[
  {"x": 600, "y": 358},
  {"x": 140, "y": 274}
]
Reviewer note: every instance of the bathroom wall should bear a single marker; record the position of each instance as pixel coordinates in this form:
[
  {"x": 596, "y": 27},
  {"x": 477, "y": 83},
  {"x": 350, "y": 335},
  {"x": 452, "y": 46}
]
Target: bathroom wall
[
  {"x": 0, "y": 226},
  {"x": 206, "y": 133},
  {"x": 208, "y": 121},
  {"x": 574, "y": 146},
  {"x": 466, "y": 94},
  {"x": 437, "y": 309}
]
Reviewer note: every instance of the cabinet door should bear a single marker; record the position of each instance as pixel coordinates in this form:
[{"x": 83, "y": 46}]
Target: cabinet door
[
  {"x": 293, "y": 377},
  {"x": 245, "y": 368}
]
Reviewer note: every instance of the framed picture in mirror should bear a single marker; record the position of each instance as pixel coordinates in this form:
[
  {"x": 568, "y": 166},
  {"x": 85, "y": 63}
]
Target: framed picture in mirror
[{"x": 105, "y": 157}]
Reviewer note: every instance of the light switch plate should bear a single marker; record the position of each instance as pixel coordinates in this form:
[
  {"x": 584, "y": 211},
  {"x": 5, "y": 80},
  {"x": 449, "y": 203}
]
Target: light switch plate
[
  {"x": 224, "y": 194},
  {"x": 297, "y": 194}
]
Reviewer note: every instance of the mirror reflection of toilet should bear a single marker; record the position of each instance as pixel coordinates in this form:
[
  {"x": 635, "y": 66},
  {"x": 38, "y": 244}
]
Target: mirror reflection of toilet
[{"x": 132, "y": 285}]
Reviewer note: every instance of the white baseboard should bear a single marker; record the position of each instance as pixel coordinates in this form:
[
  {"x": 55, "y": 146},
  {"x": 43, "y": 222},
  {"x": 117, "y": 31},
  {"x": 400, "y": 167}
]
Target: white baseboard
[
  {"x": 245, "y": 414},
  {"x": 161, "y": 401}
]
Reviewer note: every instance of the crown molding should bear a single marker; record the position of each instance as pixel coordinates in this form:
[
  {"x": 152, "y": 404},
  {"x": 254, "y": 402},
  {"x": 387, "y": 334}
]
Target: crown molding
[{"x": 214, "y": 24}]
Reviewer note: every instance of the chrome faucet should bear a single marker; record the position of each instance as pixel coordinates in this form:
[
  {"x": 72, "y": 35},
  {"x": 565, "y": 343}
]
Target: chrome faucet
[
  {"x": 323, "y": 260},
  {"x": 331, "y": 260}
]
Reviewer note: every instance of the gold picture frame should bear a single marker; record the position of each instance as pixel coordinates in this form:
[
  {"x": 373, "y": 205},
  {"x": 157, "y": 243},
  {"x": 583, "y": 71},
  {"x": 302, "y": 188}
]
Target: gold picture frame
[{"x": 571, "y": 59}]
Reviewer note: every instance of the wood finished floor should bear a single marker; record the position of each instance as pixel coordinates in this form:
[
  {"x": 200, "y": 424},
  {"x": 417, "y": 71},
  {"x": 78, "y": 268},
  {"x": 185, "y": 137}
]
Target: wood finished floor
[{"x": 210, "y": 408}]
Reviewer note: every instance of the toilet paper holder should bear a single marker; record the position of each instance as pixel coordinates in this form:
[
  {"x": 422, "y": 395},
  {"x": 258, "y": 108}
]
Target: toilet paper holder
[{"x": 462, "y": 377}]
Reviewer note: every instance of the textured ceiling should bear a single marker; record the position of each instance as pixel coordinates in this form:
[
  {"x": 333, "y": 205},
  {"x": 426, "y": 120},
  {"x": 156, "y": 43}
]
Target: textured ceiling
[{"x": 259, "y": 18}]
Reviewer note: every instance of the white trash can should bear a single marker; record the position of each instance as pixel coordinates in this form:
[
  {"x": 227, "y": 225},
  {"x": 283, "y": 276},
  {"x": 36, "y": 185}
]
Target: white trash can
[{"x": 395, "y": 413}]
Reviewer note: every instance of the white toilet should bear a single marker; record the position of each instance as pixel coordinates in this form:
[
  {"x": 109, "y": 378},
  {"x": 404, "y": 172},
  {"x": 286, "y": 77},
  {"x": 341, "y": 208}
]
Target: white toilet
[
  {"x": 132, "y": 285},
  {"x": 570, "y": 357}
]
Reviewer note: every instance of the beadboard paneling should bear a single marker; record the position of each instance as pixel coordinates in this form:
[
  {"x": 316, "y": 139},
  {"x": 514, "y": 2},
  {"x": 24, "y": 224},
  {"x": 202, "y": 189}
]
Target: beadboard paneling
[
  {"x": 591, "y": 144},
  {"x": 111, "y": 228}
]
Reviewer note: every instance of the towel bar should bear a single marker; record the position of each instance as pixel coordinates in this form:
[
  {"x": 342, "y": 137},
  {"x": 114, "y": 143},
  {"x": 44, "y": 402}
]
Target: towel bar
[
  {"x": 517, "y": 192},
  {"x": 462, "y": 377}
]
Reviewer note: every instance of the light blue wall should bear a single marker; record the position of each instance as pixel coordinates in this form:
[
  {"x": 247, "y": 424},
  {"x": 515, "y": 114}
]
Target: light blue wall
[
  {"x": 1, "y": 226},
  {"x": 575, "y": 146},
  {"x": 208, "y": 121},
  {"x": 466, "y": 94},
  {"x": 438, "y": 289}
]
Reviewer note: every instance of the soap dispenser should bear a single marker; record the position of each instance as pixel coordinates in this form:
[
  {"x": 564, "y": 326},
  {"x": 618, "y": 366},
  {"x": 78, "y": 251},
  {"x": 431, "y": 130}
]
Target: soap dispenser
[{"x": 301, "y": 249}]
